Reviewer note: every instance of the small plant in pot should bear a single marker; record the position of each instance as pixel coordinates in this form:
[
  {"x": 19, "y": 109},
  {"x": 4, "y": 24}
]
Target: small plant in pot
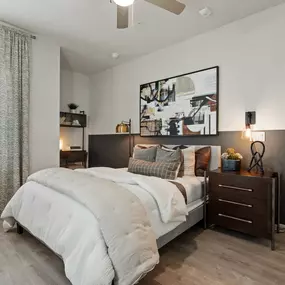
[
  {"x": 231, "y": 160},
  {"x": 72, "y": 107}
]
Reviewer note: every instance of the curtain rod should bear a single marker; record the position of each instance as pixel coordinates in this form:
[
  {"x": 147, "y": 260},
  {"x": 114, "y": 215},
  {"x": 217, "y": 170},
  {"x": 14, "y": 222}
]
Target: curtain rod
[{"x": 17, "y": 28}]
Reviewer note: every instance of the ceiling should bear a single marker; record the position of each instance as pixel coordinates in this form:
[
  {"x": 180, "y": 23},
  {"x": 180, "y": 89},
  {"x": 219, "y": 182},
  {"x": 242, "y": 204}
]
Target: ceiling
[{"x": 86, "y": 29}]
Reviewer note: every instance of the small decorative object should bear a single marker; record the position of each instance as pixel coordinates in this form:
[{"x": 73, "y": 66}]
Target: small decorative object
[
  {"x": 122, "y": 128},
  {"x": 75, "y": 123},
  {"x": 257, "y": 150},
  {"x": 82, "y": 112},
  {"x": 72, "y": 107},
  {"x": 126, "y": 127},
  {"x": 75, "y": 147},
  {"x": 184, "y": 105},
  {"x": 231, "y": 160},
  {"x": 62, "y": 120}
]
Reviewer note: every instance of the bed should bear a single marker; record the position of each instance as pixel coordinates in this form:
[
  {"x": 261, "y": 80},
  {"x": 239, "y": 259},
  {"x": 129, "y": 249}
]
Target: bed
[{"x": 84, "y": 238}]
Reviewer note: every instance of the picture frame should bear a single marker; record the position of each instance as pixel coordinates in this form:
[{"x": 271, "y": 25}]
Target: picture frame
[{"x": 183, "y": 105}]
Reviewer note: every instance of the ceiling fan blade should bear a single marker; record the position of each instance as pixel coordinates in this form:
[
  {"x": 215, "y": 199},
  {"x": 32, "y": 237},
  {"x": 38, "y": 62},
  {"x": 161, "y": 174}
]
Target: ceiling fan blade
[
  {"x": 172, "y": 6},
  {"x": 122, "y": 17}
]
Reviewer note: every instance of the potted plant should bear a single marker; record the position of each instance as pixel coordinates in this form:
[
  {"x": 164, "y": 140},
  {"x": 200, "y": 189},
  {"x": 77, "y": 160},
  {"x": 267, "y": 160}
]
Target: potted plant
[
  {"x": 72, "y": 107},
  {"x": 231, "y": 160}
]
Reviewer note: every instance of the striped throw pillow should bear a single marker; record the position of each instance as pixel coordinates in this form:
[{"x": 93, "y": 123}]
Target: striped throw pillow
[{"x": 165, "y": 170}]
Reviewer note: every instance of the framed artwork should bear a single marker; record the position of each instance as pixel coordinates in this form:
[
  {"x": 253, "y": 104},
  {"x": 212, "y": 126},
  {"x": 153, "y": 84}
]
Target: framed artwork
[{"x": 185, "y": 105}]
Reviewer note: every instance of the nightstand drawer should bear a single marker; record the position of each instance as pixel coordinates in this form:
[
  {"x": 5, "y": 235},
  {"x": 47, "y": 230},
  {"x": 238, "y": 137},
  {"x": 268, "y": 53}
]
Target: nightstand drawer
[
  {"x": 244, "y": 209},
  {"x": 240, "y": 187},
  {"x": 247, "y": 226}
]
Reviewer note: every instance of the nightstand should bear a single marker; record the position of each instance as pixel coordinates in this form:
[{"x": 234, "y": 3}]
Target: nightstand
[{"x": 245, "y": 202}]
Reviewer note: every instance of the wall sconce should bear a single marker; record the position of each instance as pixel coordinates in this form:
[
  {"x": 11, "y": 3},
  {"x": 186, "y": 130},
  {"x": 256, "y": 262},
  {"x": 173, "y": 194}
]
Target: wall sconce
[
  {"x": 257, "y": 147},
  {"x": 126, "y": 127},
  {"x": 250, "y": 119}
]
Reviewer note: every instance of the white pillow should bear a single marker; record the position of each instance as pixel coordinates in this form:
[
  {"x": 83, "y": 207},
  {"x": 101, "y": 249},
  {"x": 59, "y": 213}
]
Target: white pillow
[{"x": 189, "y": 161}]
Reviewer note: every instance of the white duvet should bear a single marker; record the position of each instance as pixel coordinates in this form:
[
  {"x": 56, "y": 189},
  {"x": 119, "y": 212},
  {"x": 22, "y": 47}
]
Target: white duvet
[
  {"x": 170, "y": 202},
  {"x": 75, "y": 233}
]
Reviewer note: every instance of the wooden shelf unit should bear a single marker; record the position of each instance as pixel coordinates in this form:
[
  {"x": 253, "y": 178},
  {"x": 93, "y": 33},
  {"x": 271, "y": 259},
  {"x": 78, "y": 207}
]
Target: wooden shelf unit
[{"x": 70, "y": 156}]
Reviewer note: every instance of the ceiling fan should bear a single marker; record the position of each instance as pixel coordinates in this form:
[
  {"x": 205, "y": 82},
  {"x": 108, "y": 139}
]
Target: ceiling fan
[{"x": 124, "y": 9}]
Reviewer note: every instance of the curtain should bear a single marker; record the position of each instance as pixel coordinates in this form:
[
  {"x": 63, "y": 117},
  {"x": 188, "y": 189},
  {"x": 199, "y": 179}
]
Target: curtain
[{"x": 14, "y": 111}]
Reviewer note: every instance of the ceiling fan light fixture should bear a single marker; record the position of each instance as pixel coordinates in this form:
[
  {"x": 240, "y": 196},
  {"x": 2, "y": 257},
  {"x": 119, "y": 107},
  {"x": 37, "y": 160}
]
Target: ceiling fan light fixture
[{"x": 124, "y": 3}]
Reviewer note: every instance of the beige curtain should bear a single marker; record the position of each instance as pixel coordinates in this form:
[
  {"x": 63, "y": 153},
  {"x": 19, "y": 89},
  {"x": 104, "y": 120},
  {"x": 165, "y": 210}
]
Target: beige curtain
[{"x": 14, "y": 111}]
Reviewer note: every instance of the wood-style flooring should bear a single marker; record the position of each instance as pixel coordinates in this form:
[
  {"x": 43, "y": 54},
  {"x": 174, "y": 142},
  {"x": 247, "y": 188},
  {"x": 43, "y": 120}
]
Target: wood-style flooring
[{"x": 211, "y": 257}]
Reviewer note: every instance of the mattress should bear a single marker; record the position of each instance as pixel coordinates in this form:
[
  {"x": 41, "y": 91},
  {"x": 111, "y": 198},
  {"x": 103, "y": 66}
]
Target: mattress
[
  {"x": 160, "y": 229},
  {"x": 193, "y": 186},
  {"x": 194, "y": 191}
]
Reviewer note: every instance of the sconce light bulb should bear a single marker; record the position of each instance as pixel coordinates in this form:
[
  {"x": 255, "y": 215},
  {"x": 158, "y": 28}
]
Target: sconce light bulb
[{"x": 248, "y": 132}]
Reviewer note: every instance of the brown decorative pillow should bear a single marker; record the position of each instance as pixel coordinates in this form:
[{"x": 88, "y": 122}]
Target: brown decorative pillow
[
  {"x": 165, "y": 170},
  {"x": 202, "y": 160}
]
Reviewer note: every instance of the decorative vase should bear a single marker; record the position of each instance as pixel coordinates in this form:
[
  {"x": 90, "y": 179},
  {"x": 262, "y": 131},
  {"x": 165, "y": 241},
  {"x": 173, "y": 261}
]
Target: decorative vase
[
  {"x": 73, "y": 111},
  {"x": 231, "y": 165},
  {"x": 122, "y": 128}
]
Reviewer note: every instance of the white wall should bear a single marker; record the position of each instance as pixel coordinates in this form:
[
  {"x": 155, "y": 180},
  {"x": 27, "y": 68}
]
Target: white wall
[
  {"x": 44, "y": 105},
  {"x": 251, "y": 56},
  {"x": 74, "y": 88}
]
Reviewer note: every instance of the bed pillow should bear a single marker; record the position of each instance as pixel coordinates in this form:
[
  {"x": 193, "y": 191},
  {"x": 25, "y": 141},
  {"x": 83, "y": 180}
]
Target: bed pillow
[
  {"x": 165, "y": 154},
  {"x": 165, "y": 170},
  {"x": 188, "y": 166},
  {"x": 168, "y": 155},
  {"x": 202, "y": 160},
  {"x": 146, "y": 154},
  {"x": 141, "y": 146}
]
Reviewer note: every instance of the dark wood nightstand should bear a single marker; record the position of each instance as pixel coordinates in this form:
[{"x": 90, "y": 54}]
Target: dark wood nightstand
[{"x": 245, "y": 202}]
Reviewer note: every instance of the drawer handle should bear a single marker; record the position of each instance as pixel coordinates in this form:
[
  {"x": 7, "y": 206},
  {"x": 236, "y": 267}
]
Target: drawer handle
[
  {"x": 236, "y": 188},
  {"x": 234, "y": 218},
  {"x": 235, "y": 203}
]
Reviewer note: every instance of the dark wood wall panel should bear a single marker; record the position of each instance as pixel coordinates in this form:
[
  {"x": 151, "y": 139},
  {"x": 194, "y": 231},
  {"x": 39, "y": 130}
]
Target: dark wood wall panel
[{"x": 112, "y": 150}]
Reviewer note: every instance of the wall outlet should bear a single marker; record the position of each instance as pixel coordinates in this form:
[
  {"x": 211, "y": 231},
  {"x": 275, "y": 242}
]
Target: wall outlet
[{"x": 258, "y": 136}]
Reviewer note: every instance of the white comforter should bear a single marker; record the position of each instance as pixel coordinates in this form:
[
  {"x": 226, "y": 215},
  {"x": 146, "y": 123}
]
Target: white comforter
[
  {"x": 86, "y": 259},
  {"x": 170, "y": 201}
]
